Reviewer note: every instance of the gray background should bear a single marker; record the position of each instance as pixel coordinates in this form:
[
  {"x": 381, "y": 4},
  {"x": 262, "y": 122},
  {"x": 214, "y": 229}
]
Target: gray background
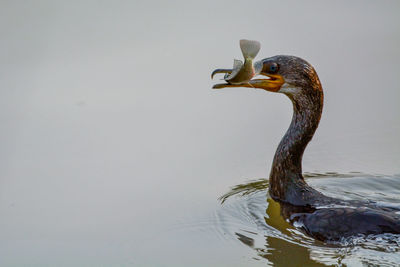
[{"x": 110, "y": 133}]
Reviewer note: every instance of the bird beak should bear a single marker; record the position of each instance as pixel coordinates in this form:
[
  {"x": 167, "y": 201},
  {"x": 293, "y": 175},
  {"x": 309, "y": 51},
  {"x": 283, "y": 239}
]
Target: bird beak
[
  {"x": 220, "y": 71},
  {"x": 272, "y": 84}
]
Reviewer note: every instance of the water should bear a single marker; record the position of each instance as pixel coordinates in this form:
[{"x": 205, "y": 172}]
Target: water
[
  {"x": 250, "y": 216},
  {"x": 115, "y": 151}
]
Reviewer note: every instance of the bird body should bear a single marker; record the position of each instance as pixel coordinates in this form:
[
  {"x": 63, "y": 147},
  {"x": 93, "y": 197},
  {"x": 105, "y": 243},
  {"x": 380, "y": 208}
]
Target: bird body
[{"x": 332, "y": 224}]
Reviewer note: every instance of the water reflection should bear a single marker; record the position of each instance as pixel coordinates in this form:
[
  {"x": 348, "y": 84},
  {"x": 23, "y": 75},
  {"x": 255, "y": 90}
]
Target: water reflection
[
  {"x": 277, "y": 250},
  {"x": 258, "y": 222},
  {"x": 283, "y": 253}
]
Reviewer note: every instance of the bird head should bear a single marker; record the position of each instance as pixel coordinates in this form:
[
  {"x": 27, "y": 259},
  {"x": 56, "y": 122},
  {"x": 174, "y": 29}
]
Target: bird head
[{"x": 290, "y": 75}]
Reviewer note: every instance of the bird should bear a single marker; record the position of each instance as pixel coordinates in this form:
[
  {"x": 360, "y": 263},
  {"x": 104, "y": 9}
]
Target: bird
[{"x": 322, "y": 217}]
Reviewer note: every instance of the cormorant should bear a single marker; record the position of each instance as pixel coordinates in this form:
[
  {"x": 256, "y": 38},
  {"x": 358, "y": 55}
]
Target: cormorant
[{"x": 320, "y": 216}]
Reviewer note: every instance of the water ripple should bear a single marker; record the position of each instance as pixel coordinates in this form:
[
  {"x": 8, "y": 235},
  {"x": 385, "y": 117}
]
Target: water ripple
[{"x": 248, "y": 215}]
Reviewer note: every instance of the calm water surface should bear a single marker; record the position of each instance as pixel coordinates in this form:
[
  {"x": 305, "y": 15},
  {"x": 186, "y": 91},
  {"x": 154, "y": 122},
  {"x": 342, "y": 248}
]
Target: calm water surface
[{"x": 116, "y": 152}]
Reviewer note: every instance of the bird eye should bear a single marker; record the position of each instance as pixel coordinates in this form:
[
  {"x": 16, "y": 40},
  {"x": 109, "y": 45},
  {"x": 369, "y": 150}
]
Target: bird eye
[{"x": 273, "y": 67}]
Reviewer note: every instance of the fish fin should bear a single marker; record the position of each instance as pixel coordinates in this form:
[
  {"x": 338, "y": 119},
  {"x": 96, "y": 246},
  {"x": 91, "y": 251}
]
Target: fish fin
[
  {"x": 237, "y": 65},
  {"x": 249, "y": 48}
]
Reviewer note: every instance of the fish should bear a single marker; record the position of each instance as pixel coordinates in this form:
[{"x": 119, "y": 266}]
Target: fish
[{"x": 243, "y": 72}]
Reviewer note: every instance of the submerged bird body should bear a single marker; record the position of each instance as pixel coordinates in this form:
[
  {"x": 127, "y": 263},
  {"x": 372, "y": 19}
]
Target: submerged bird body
[
  {"x": 322, "y": 217},
  {"x": 332, "y": 224}
]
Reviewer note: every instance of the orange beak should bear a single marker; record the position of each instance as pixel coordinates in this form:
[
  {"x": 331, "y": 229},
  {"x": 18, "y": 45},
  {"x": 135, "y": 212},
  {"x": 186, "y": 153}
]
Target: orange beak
[{"x": 272, "y": 84}]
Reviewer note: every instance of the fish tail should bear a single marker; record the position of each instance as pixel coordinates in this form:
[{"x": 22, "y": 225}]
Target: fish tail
[{"x": 249, "y": 48}]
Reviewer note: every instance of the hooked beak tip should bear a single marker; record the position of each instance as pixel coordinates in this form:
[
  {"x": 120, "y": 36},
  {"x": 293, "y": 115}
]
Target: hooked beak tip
[{"x": 220, "y": 71}]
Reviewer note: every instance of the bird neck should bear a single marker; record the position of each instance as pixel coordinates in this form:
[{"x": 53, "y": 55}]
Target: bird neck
[{"x": 286, "y": 180}]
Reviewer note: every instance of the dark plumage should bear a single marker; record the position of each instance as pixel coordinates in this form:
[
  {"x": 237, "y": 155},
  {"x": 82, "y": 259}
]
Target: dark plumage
[{"x": 335, "y": 223}]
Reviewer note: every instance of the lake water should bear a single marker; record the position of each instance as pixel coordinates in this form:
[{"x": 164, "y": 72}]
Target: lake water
[{"x": 117, "y": 152}]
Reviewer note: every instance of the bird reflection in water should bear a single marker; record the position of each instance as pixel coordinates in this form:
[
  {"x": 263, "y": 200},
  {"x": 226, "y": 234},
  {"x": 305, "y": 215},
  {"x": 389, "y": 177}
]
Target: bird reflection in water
[{"x": 280, "y": 251}]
